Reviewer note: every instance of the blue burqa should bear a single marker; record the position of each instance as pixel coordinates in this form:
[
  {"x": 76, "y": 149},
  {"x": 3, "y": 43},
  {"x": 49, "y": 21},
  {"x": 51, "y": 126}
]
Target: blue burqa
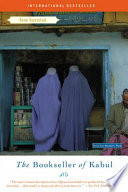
[
  {"x": 45, "y": 113},
  {"x": 77, "y": 102}
]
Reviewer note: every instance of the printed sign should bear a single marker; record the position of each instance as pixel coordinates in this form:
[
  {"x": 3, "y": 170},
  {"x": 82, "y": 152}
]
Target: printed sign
[{"x": 92, "y": 18}]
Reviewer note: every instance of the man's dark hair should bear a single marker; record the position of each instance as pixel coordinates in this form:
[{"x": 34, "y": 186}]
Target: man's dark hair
[{"x": 125, "y": 91}]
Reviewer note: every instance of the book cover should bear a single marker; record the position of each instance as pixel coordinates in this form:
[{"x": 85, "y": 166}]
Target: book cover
[{"x": 64, "y": 95}]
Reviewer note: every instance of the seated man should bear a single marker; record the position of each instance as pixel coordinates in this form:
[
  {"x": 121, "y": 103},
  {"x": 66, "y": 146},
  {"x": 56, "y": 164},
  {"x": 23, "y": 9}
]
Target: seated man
[
  {"x": 117, "y": 121},
  {"x": 117, "y": 124}
]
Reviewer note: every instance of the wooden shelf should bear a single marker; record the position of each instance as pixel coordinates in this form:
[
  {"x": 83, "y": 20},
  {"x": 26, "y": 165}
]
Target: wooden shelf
[
  {"x": 23, "y": 142},
  {"x": 23, "y": 126}
]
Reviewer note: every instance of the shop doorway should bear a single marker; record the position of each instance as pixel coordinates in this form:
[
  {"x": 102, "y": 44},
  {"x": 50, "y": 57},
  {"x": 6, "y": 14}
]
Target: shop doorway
[{"x": 93, "y": 63}]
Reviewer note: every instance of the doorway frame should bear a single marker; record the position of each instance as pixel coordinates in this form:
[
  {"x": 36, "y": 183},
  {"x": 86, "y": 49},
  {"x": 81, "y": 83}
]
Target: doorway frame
[{"x": 107, "y": 63}]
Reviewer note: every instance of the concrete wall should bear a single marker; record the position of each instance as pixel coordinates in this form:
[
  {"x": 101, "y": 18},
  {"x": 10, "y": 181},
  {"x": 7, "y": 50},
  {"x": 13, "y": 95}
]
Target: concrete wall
[{"x": 113, "y": 41}]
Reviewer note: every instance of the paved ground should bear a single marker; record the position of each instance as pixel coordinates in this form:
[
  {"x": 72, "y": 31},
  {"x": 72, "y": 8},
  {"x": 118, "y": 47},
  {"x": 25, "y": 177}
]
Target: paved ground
[{"x": 90, "y": 152}]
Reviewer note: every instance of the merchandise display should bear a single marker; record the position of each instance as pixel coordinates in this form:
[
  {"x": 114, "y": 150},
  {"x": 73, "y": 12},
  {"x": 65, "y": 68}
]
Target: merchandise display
[
  {"x": 21, "y": 126},
  {"x": 23, "y": 88},
  {"x": 23, "y": 117},
  {"x": 21, "y": 113}
]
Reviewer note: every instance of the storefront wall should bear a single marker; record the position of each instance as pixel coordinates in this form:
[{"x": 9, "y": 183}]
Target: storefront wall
[
  {"x": 118, "y": 57},
  {"x": 113, "y": 43}
]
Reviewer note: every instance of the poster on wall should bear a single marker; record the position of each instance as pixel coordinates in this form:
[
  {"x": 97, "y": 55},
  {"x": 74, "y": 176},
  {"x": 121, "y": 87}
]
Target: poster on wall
[{"x": 64, "y": 96}]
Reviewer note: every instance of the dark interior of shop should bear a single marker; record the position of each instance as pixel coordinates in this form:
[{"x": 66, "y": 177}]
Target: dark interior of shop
[{"x": 36, "y": 63}]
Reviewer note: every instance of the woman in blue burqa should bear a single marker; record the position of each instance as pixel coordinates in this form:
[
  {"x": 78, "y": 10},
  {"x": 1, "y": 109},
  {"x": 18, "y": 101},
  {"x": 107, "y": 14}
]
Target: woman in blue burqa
[
  {"x": 46, "y": 109},
  {"x": 77, "y": 102}
]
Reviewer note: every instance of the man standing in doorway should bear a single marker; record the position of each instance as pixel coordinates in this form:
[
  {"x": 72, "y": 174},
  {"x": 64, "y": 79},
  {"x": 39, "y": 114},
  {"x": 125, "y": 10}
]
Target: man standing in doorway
[{"x": 117, "y": 121}]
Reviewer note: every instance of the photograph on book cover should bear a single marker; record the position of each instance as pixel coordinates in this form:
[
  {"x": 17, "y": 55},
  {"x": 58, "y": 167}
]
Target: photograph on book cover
[
  {"x": 63, "y": 101},
  {"x": 59, "y": 82}
]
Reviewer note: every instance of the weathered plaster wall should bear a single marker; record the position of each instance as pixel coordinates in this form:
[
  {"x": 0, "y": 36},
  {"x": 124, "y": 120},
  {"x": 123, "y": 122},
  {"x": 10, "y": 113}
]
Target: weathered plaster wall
[{"x": 117, "y": 45}]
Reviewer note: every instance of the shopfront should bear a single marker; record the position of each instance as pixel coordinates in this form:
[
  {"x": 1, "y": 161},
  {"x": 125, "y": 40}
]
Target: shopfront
[{"x": 109, "y": 47}]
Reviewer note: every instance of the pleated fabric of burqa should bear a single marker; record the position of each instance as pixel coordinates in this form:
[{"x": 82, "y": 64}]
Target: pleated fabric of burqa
[
  {"x": 45, "y": 113},
  {"x": 76, "y": 103}
]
